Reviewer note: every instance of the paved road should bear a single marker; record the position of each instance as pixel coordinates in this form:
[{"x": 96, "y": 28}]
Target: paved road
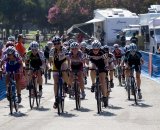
[{"x": 120, "y": 115}]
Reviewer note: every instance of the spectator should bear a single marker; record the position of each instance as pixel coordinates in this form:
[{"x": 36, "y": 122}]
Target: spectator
[
  {"x": 123, "y": 40},
  {"x": 134, "y": 39},
  {"x": 37, "y": 36},
  {"x": 20, "y": 46}
]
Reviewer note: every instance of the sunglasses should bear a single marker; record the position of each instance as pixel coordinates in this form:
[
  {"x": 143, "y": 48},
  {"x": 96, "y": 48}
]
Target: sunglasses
[
  {"x": 74, "y": 48},
  {"x": 95, "y": 49},
  {"x": 34, "y": 50},
  {"x": 58, "y": 43}
]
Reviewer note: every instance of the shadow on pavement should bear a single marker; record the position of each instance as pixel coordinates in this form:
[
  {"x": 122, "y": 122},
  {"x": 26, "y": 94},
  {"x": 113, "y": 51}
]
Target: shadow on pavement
[
  {"x": 82, "y": 109},
  {"x": 18, "y": 114},
  {"x": 105, "y": 113},
  {"x": 66, "y": 115},
  {"x": 42, "y": 109},
  {"x": 115, "y": 107}
]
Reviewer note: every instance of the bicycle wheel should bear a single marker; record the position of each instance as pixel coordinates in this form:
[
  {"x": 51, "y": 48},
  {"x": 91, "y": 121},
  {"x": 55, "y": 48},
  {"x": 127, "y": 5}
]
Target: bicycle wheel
[
  {"x": 45, "y": 76},
  {"x": 133, "y": 87},
  {"x": 98, "y": 97},
  {"x": 10, "y": 100},
  {"x": 31, "y": 96},
  {"x": 77, "y": 96},
  {"x": 128, "y": 87},
  {"x": 16, "y": 105},
  {"x": 119, "y": 75}
]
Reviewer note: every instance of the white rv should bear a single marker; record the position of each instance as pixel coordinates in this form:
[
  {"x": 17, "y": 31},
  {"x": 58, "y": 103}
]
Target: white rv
[{"x": 108, "y": 22}]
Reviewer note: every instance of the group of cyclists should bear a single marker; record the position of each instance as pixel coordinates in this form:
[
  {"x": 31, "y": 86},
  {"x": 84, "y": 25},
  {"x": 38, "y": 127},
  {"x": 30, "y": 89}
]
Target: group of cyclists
[{"x": 69, "y": 55}]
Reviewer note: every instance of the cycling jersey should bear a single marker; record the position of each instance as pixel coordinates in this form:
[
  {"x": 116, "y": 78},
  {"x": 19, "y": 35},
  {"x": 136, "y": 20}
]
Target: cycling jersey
[
  {"x": 76, "y": 63},
  {"x": 58, "y": 57},
  {"x": 98, "y": 59},
  {"x": 35, "y": 61},
  {"x": 133, "y": 60},
  {"x": 12, "y": 65},
  {"x": 117, "y": 53}
]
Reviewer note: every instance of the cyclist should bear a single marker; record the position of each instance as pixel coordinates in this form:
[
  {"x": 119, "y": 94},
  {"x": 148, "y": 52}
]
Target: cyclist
[
  {"x": 110, "y": 63},
  {"x": 13, "y": 63},
  {"x": 99, "y": 60},
  {"x": 77, "y": 62},
  {"x": 35, "y": 59},
  {"x": 58, "y": 57},
  {"x": 134, "y": 57}
]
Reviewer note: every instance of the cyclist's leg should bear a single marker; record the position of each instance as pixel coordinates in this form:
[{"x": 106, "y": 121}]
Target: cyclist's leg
[
  {"x": 40, "y": 82},
  {"x": 105, "y": 93},
  {"x": 138, "y": 80},
  {"x": 65, "y": 76},
  {"x": 55, "y": 79},
  {"x": 111, "y": 73},
  {"x": 103, "y": 83},
  {"x": 93, "y": 76},
  {"x": 81, "y": 83}
]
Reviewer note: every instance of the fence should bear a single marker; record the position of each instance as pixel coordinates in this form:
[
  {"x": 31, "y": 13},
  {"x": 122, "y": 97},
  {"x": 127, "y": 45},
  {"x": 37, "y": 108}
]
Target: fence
[
  {"x": 151, "y": 64},
  {"x": 2, "y": 89}
]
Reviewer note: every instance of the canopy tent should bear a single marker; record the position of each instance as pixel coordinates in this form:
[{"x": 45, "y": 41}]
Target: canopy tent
[{"x": 81, "y": 24}]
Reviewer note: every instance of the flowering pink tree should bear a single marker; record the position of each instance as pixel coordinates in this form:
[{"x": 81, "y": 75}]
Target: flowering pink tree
[{"x": 69, "y": 10}]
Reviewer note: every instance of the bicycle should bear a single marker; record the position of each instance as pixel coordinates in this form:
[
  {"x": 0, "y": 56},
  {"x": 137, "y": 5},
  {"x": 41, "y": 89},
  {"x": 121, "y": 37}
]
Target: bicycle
[
  {"x": 32, "y": 87},
  {"x": 119, "y": 71},
  {"x": 98, "y": 93},
  {"x": 60, "y": 93},
  {"x": 47, "y": 74},
  {"x": 12, "y": 95},
  {"x": 76, "y": 89},
  {"x": 131, "y": 84}
]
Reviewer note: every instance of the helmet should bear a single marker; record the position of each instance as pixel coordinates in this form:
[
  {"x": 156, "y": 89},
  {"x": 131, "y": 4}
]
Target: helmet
[
  {"x": 1, "y": 44},
  {"x": 96, "y": 44},
  {"x": 115, "y": 46},
  {"x": 56, "y": 39},
  {"x": 83, "y": 44},
  {"x": 11, "y": 38},
  {"x": 49, "y": 43},
  {"x": 133, "y": 47},
  {"x": 106, "y": 48},
  {"x": 65, "y": 44},
  {"x": 74, "y": 45},
  {"x": 9, "y": 43},
  {"x": 34, "y": 45},
  {"x": 127, "y": 48},
  {"x": 70, "y": 41},
  {"x": 10, "y": 50}
]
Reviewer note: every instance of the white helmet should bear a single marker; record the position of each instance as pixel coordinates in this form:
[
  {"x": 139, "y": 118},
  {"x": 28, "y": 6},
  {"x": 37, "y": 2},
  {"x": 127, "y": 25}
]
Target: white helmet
[
  {"x": 83, "y": 44},
  {"x": 10, "y": 50},
  {"x": 96, "y": 44},
  {"x": 116, "y": 46},
  {"x": 133, "y": 47},
  {"x": 74, "y": 45},
  {"x": 49, "y": 43},
  {"x": 34, "y": 45}
]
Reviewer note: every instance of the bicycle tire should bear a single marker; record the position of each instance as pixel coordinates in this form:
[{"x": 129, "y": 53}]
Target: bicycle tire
[
  {"x": 77, "y": 96},
  {"x": 134, "y": 89},
  {"x": 16, "y": 105},
  {"x": 128, "y": 87},
  {"x": 59, "y": 106},
  {"x": 10, "y": 100},
  {"x": 45, "y": 76},
  {"x": 98, "y": 97},
  {"x": 31, "y": 98},
  {"x": 119, "y": 74}
]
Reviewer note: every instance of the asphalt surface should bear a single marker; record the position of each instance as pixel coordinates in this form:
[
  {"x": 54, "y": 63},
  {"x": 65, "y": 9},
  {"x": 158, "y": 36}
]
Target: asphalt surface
[{"x": 120, "y": 115}]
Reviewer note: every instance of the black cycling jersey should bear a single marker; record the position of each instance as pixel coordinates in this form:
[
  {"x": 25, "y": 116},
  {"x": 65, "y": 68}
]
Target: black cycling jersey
[{"x": 46, "y": 52}]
